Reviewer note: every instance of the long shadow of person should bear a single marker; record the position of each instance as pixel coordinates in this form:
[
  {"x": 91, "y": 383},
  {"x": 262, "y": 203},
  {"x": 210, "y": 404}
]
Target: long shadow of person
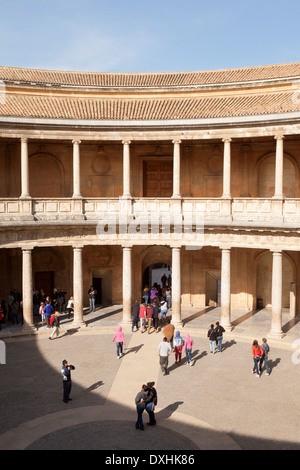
[
  {"x": 228, "y": 344},
  {"x": 169, "y": 410},
  {"x": 135, "y": 349},
  {"x": 271, "y": 365},
  {"x": 94, "y": 386}
]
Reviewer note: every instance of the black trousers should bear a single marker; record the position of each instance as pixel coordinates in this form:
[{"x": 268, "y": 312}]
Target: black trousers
[{"x": 67, "y": 389}]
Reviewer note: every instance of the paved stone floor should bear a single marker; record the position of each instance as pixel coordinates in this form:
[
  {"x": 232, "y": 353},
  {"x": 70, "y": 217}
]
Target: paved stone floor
[{"x": 215, "y": 404}]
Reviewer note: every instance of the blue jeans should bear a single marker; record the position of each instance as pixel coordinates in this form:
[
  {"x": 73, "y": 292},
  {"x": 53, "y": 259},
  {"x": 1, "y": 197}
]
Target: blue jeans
[
  {"x": 140, "y": 408},
  {"x": 92, "y": 305},
  {"x": 188, "y": 354},
  {"x": 255, "y": 367},
  {"x": 119, "y": 348},
  {"x": 265, "y": 360},
  {"x": 135, "y": 321},
  {"x": 219, "y": 342},
  {"x": 212, "y": 345}
]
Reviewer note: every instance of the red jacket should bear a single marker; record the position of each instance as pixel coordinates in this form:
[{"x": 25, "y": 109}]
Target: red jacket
[
  {"x": 142, "y": 312},
  {"x": 257, "y": 351}
]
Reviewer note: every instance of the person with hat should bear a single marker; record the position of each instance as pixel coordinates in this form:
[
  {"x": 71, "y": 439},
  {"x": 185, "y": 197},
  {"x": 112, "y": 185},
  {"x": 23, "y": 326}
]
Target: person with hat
[{"x": 67, "y": 382}]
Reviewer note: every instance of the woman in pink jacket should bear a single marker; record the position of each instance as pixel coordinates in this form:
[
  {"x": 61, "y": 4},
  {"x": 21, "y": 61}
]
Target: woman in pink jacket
[
  {"x": 188, "y": 349},
  {"x": 120, "y": 340}
]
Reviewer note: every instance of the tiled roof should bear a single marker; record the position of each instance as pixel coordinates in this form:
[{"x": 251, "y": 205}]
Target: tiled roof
[
  {"x": 144, "y": 80},
  {"x": 138, "y": 108}
]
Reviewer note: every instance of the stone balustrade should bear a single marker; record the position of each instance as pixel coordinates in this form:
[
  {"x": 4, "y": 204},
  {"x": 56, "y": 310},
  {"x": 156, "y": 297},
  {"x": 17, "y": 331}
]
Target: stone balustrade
[{"x": 213, "y": 210}]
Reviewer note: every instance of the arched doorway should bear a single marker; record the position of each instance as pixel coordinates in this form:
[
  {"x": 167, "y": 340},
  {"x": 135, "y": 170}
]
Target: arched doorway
[{"x": 154, "y": 261}]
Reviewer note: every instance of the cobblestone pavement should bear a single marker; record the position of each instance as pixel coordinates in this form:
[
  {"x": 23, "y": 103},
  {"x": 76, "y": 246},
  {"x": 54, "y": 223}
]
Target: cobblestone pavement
[{"x": 215, "y": 404}]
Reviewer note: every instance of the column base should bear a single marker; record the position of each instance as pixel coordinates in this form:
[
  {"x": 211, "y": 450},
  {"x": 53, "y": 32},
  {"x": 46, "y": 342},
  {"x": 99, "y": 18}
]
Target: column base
[
  {"x": 79, "y": 324},
  {"x": 276, "y": 334},
  {"x": 28, "y": 327}
]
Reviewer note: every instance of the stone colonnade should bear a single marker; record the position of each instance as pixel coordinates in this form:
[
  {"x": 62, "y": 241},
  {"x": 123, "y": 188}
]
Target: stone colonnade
[
  {"x": 278, "y": 193},
  {"x": 276, "y": 321}
]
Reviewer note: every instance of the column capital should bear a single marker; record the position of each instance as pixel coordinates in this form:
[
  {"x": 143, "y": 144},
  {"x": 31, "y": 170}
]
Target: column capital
[
  {"x": 227, "y": 139},
  {"x": 126, "y": 142},
  {"x": 225, "y": 248},
  {"x": 276, "y": 252},
  {"x": 176, "y": 141},
  {"x": 27, "y": 248},
  {"x": 279, "y": 137},
  {"x": 24, "y": 140},
  {"x": 77, "y": 247},
  {"x": 76, "y": 141}
]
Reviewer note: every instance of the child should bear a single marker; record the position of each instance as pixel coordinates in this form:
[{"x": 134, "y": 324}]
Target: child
[
  {"x": 266, "y": 349},
  {"x": 55, "y": 323},
  {"x": 188, "y": 349},
  {"x": 142, "y": 317},
  {"x": 119, "y": 336},
  {"x": 178, "y": 343},
  {"x": 42, "y": 311}
]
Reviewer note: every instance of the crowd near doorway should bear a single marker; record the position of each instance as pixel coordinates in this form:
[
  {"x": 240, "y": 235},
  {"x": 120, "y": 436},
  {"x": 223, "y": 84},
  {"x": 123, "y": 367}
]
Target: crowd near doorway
[{"x": 159, "y": 273}]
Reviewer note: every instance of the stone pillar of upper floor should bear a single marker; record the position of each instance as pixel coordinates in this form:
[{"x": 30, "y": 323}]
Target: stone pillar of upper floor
[{"x": 219, "y": 168}]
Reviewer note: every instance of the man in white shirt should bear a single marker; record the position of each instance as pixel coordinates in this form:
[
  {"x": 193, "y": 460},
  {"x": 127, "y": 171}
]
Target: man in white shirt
[{"x": 164, "y": 351}]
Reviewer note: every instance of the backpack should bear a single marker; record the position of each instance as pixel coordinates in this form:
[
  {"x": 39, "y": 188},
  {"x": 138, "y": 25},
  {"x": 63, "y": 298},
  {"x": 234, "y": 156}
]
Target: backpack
[{"x": 52, "y": 319}]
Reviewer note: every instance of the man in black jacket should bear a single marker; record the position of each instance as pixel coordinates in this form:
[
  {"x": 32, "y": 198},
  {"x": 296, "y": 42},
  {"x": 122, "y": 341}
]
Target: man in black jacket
[
  {"x": 67, "y": 382},
  {"x": 135, "y": 310},
  {"x": 219, "y": 332}
]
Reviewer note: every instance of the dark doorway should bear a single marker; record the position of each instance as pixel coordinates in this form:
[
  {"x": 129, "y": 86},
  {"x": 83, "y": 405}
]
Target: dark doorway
[
  {"x": 97, "y": 284},
  {"x": 158, "y": 178},
  {"x": 44, "y": 280}
]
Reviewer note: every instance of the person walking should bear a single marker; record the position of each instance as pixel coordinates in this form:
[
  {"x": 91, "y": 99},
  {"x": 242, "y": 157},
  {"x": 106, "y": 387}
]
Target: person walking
[
  {"x": 149, "y": 315},
  {"x": 155, "y": 316},
  {"x": 146, "y": 294},
  {"x": 67, "y": 382},
  {"x": 257, "y": 354},
  {"x": 266, "y": 349},
  {"x": 164, "y": 351},
  {"x": 56, "y": 324},
  {"x": 140, "y": 400},
  {"x": 92, "y": 298},
  {"x": 211, "y": 334},
  {"x": 219, "y": 332},
  {"x": 142, "y": 316},
  {"x": 188, "y": 345},
  {"x": 120, "y": 340},
  {"x": 135, "y": 310},
  {"x": 48, "y": 310},
  {"x": 163, "y": 311},
  {"x": 178, "y": 344},
  {"x": 70, "y": 306}
]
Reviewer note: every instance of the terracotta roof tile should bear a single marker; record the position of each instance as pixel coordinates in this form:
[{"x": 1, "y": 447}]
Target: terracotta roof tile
[
  {"x": 149, "y": 80},
  {"x": 46, "y": 106}
]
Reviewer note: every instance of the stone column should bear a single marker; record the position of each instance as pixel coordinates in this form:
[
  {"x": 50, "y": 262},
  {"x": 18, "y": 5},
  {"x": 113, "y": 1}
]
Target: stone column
[
  {"x": 127, "y": 285},
  {"x": 27, "y": 288},
  {"x": 226, "y": 168},
  {"x": 279, "y": 167},
  {"x": 176, "y": 287},
  {"x": 78, "y": 286},
  {"x": 225, "y": 290},
  {"x": 176, "y": 169},
  {"x": 126, "y": 168},
  {"x": 24, "y": 169},
  {"x": 292, "y": 299},
  {"x": 276, "y": 330},
  {"x": 76, "y": 169}
]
